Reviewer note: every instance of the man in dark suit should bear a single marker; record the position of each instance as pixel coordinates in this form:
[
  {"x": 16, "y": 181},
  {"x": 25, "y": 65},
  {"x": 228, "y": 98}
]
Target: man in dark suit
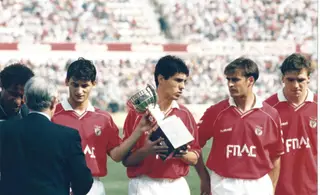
[{"x": 38, "y": 156}]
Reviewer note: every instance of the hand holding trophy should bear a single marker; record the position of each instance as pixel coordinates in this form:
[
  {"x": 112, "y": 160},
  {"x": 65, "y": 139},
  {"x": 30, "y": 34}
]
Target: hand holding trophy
[{"x": 173, "y": 131}]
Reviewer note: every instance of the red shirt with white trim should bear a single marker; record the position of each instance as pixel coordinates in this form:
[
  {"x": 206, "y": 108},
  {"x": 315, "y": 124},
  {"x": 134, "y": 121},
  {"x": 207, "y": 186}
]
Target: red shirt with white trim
[
  {"x": 99, "y": 134},
  {"x": 152, "y": 167},
  {"x": 298, "y": 174},
  {"x": 244, "y": 144}
]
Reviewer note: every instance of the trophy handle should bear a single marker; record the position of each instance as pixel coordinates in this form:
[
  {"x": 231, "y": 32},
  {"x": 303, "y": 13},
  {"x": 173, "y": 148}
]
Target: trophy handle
[{"x": 154, "y": 93}]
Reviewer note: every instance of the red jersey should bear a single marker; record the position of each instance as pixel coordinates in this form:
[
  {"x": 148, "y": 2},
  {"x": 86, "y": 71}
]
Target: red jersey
[
  {"x": 298, "y": 175},
  {"x": 244, "y": 144},
  {"x": 156, "y": 168},
  {"x": 99, "y": 134}
]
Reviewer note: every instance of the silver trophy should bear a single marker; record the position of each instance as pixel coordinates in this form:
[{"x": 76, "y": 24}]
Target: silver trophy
[
  {"x": 146, "y": 100},
  {"x": 171, "y": 128}
]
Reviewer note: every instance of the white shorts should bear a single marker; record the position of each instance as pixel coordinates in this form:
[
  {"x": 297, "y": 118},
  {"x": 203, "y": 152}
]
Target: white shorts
[
  {"x": 148, "y": 186},
  {"x": 230, "y": 186},
  {"x": 97, "y": 187}
]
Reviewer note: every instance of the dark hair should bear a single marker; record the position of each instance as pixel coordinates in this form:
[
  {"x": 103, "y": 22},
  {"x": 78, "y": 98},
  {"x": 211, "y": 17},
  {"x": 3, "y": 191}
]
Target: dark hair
[
  {"x": 247, "y": 66},
  {"x": 296, "y": 62},
  {"x": 82, "y": 69},
  {"x": 168, "y": 66},
  {"x": 15, "y": 74}
]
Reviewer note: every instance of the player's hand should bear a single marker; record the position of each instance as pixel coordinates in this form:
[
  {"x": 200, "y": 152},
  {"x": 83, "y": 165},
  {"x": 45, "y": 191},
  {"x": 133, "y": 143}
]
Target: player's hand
[
  {"x": 161, "y": 153},
  {"x": 205, "y": 187},
  {"x": 181, "y": 152},
  {"x": 145, "y": 125},
  {"x": 154, "y": 147}
]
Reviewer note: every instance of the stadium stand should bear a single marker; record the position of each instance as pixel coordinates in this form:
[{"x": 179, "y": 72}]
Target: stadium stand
[
  {"x": 35, "y": 21},
  {"x": 125, "y": 38},
  {"x": 240, "y": 20}
]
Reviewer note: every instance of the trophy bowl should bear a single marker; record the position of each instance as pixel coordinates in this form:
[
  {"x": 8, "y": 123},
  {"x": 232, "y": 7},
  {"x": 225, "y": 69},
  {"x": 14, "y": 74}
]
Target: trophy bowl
[{"x": 143, "y": 99}]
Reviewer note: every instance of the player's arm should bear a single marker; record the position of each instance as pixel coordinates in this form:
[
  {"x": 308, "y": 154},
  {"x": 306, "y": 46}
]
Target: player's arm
[
  {"x": 275, "y": 172},
  {"x": 276, "y": 150},
  {"x": 202, "y": 171},
  {"x": 191, "y": 157},
  {"x": 205, "y": 186},
  {"x": 192, "y": 154},
  {"x": 118, "y": 153},
  {"x": 205, "y": 132},
  {"x": 149, "y": 148}
]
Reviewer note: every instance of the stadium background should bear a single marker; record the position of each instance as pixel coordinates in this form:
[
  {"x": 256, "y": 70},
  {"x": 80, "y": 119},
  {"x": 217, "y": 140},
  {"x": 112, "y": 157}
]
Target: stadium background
[{"x": 125, "y": 38}]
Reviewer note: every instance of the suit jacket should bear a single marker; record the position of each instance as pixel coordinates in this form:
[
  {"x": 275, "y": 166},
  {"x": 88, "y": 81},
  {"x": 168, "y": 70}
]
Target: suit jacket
[
  {"x": 24, "y": 111},
  {"x": 42, "y": 158}
]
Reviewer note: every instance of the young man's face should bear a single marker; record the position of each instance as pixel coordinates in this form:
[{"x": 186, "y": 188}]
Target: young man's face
[
  {"x": 296, "y": 83},
  {"x": 173, "y": 87},
  {"x": 238, "y": 84},
  {"x": 79, "y": 90},
  {"x": 12, "y": 99}
]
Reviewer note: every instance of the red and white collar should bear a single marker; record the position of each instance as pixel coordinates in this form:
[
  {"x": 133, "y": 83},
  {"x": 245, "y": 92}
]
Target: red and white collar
[
  {"x": 67, "y": 107},
  {"x": 282, "y": 98},
  {"x": 175, "y": 104},
  {"x": 258, "y": 102}
]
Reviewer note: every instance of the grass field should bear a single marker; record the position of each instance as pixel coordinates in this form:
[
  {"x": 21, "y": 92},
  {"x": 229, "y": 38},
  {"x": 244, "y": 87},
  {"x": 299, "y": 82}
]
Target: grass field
[{"x": 116, "y": 182}]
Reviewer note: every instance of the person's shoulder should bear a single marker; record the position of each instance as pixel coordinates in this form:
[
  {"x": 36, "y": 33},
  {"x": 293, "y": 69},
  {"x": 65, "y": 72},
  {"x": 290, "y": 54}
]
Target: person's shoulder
[
  {"x": 183, "y": 107},
  {"x": 59, "y": 109},
  {"x": 10, "y": 123},
  {"x": 269, "y": 110},
  {"x": 272, "y": 100},
  {"x": 12, "y": 127},
  {"x": 218, "y": 107},
  {"x": 98, "y": 111},
  {"x": 61, "y": 129}
]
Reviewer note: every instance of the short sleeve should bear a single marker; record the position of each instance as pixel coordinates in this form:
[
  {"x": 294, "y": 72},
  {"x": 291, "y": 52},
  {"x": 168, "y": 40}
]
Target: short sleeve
[
  {"x": 129, "y": 124},
  {"x": 277, "y": 147},
  {"x": 205, "y": 127},
  {"x": 114, "y": 139}
]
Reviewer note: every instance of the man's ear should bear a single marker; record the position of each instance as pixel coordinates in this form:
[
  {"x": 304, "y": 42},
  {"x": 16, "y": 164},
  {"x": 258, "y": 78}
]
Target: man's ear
[
  {"x": 94, "y": 83},
  {"x": 160, "y": 78},
  {"x": 251, "y": 80}
]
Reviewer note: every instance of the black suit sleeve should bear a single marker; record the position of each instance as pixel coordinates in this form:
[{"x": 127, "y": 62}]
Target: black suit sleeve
[{"x": 80, "y": 175}]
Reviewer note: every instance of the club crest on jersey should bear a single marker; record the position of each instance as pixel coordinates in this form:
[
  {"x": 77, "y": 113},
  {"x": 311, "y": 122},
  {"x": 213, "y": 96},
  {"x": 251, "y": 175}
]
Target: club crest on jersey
[
  {"x": 97, "y": 130},
  {"x": 313, "y": 122},
  {"x": 258, "y": 130}
]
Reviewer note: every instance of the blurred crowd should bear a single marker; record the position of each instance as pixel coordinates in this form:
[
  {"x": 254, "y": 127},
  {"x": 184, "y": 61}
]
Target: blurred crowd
[
  {"x": 141, "y": 20},
  {"x": 116, "y": 78},
  {"x": 77, "y": 21},
  {"x": 158, "y": 21},
  {"x": 258, "y": 20}
]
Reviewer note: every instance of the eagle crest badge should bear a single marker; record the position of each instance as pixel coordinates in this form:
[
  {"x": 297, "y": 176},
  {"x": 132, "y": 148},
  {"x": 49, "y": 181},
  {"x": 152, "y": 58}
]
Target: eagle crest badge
[
  {"x": 97, "y": 130},
  {"x": 313, "y": 122},
  {"x": 258, "y": 130}
]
